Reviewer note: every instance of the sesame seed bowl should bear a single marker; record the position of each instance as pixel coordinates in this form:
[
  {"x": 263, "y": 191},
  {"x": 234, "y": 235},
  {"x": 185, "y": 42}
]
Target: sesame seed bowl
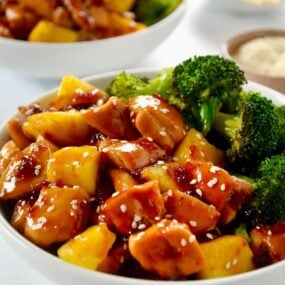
[{"x": 62, "y": 272}]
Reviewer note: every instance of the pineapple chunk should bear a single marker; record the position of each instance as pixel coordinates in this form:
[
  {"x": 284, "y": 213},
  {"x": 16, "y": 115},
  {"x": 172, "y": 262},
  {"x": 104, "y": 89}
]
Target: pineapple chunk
[
  {"x": 70, "y": 90},
  {"x": 75, "y": 166},
  {"x": 195, "y": 146},
  {"x": 44, "y": 9},
  {"x": 61, "y": 128},
  {"x": 226, "y": 256},
  {"x": 160, "y": 173},
  {"x": 89, "y": 248},
  {"x": 122, "y": 179},
  {"x": 14, "y": 128},
  {"x": 46, "y": 31},
  {"x": 119, "y": 5}
]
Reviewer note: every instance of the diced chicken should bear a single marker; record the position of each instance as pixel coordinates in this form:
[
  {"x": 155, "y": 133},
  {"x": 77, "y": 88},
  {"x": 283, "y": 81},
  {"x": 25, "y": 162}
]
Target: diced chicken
[
  {"x": 135, "y": 208},
  {"x": 242, "y": 193},
  {"x": 7, "y": 153},
  {"x": 57, "y": 216},
  {"x": 27, "y": 169},
  {"x": 156, "y": 119},
  {"x": 111, "y": 119},
  {"x": 14, "y": 128},
  {"x": 168, "y": 249},
  {"x": 131, "y": 155},
  {"x": 268, "y": 243},
  {"x": 122, "y": 179},
  {"x": 187, "y": 209}
]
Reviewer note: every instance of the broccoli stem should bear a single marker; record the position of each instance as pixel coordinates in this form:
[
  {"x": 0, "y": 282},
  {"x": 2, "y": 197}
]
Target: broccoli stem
[{"x": 227, "y": 125}]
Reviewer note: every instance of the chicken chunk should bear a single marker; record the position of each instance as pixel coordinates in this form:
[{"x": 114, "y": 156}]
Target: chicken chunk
[
  {"x": 168, "y": 249},
  {"x": 131, "y": 155},
  {"x": 112, "y": 119},
  {"x": 122, "y": 179},
  {"x": 134, "y": 209},
  {"x": 57, "y": 216},
  {"x": 156, "y": 119},
  {"x": 189, "y": 210}
]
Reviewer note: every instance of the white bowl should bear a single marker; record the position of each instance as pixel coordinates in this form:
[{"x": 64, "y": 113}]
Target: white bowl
[
  {"x": 64, "y": 273},
  {"x": 52, "y": 60}
]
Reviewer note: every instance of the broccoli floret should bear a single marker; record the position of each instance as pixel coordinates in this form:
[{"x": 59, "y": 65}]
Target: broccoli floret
[
  {"x": 151, "y": 11},
  {"x": 207, "y": 84},
  {"x": 126, "y": 85},
  {"x": 269, "y": 196},
  {"x": 252, "y": 133},
  {"x": 281, "y": 143}
]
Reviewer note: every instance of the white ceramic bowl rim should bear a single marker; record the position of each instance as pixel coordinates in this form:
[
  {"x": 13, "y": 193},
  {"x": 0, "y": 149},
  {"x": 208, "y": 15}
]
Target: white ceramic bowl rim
[
  {"x": 168, "y": 18},
  {"x": 29, "y": 248}
]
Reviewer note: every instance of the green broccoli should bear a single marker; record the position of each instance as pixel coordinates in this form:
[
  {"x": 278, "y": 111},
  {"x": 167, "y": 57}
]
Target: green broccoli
[
  {"x": 207, "y": 84},
  {"x": 253, "y": 132},
  {"x": 126, "y": 85},
  {"x": 151, "y": 11},
  {"x": 269, "y": 196},
  {"x": 281, "y": 143}
]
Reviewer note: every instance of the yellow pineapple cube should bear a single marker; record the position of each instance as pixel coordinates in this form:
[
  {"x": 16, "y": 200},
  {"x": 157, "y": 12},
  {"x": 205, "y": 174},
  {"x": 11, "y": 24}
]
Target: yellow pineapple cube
[
  {"x": 195, "y": 146},
  {"x": 226, "y": 256},
  {"x": 75, "y": 166},
  {"x": 61, "y": 128},
  {"x": 49, "y": 32},
  {"x": 89, "y": 248}
]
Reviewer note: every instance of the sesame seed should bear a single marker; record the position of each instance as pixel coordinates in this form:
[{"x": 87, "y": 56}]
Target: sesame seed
[
  {"x": 85, "y": 154},
  {"x": 134, "y": 224},
  {"x": 183, "y": 242},
  {"x": 137, "y": 218},
  {"x": 193, "y": 181},
  {"x": 223, "y": 187},
  {"x": 100, "y": 102},
  {"x": 214, "y": 169},
  {"x": 269, "y": 232},
  {"x": 199, "y": 177},
  {"x": 202, "y": 143},
  {"x": 164, "y": 110},
  {"x": 163, "y": 133},
  {"x": 123, "y": 208},
  {"x": 169, "y": 193},
  {"x": 209, "y": 236},
  {"x": 141, "y": 226},
  {"x": 199, "y": 192},
  {"x": 235, "y": 261},
  {"x": 192, "y": 238},
  {"x": 198, "y": 136},
  {"x": 76, "y": 163},
  {"x": 149, "y": 139},
  {"x": 228, "y": 266},
  {"x": 193, "y": 224},
  {"x": 74, "y": 204},
  {"x": 160, "y": 162},
  {"x": 104, "y": 150},
  {"x": 50, "y": 208},
  {"x": 164, "y": 167},
  {"x": 212, "y": 182}
]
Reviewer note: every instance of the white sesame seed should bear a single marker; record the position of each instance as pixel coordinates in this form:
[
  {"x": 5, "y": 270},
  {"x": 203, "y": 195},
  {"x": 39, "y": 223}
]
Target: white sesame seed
[
  {"x": 164, "y": 167},
  {"x": 115, "y": 194},
  {"x": 164, "y": 110},
  {"x": 214, "y": 169},
  {"x": 192, "y": 238},
  {"x": 212, "y": 182},
  {"x": 169, "y": 193},
  {"x": 199, "y": 192},
  {"x": 134, "y": 224},
  {"x": 137, "y": 218},
  {"x": 228, "y": 266},
  {"x": 50, "y": 208},
  {"x": 123, "y": 208},
  {"x": 183, "y": 242},
  {"x": 235, "y": 261},
  {"x": 193, "y": 181},
  {"x": 223, "y": 187},
  {"x": 149, "y": 139},
  {"x": 209, "y": 236},
  {"x": 269, "y": 232},
  {"x": 76, "y": 163},
  {"x": 104, "y": 150},
  {"x": 141, "y": 226},
  {"x": 85, "y": 154},
  {"x": 160, "y": 162},
  {"x": 163, "y": 133},
  {"x": 193, "y": 224},
  {"x": 199, "y": 177},
  {"x": 100, "y": 102}
]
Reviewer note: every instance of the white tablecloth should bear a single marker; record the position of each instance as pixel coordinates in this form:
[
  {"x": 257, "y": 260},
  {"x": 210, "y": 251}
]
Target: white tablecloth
[{"x": 203, "y": 30}]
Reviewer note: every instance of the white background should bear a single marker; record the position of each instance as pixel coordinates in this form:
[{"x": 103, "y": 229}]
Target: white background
[{"x": 203, "y": 30}]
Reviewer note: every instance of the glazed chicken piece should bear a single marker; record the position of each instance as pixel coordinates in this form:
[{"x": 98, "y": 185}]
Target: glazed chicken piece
[
  {"x": 184, "y": 208},
  {"x": 7, "y": 152},
  {"x": 111, "y": 119},
  {"x": 134, "y": 209},
  {"x": 268, "y": 243},
  {"x": 156, "y": 119},
  {"x": 122, "y": 179},
  {"x": 14, "y": 128},
  {"x": 26, "y": 170},
  {"x": 168, "y": 249},
  {"x": 58, "y": 215},
  {"x": 131, "y": 155}
]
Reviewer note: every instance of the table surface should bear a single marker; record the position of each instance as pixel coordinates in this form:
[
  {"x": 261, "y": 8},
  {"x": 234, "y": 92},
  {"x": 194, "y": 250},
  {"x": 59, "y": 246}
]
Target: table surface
[{"x": 203, "y": 30}]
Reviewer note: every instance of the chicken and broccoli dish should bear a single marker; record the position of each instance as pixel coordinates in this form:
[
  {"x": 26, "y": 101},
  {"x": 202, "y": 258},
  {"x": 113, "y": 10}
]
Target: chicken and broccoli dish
[
  {"x": 178, "y": 176},
  {"x": 79, "y": 20}
]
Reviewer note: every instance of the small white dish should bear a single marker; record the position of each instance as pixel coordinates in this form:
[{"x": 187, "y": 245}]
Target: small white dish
[{"x": 63, "y": 273}]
